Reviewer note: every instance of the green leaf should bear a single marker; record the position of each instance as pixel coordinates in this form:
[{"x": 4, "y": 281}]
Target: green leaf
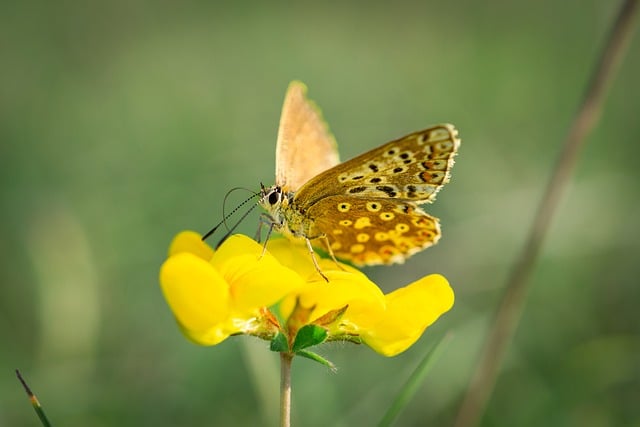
[
  {"x": 415, "y": 379},
  {"x": 316, "y": 358},
  {"x": 279, "y": 343},
  {"x": 309, "y": 335}
]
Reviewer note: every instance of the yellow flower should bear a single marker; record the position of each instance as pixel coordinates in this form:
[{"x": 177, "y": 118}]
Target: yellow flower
[{"x": 215, "y": 294}]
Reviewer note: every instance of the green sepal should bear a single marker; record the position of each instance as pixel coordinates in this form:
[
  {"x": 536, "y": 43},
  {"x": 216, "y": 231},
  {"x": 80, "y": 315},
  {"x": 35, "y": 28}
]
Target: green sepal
[
  {"x": 308, "y": 336},
  {"x": 279, "y": 343},
  {"x": 316, "y": 358}
]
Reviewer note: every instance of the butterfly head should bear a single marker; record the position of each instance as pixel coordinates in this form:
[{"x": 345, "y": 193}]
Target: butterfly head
[{"x": 273, "y": 199}]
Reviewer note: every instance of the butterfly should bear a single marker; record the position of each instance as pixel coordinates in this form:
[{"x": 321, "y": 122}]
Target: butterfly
[{"x": 365, "y": 210}]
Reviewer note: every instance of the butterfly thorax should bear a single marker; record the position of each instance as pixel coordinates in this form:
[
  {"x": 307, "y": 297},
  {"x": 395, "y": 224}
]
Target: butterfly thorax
[{"x": 281, "y": 212}]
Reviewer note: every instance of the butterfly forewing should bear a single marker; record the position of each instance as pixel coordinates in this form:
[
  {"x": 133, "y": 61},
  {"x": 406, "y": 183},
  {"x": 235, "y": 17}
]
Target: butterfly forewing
[
  {"x": 414, "y": 167},
  {"x": 305, "y": 147}
]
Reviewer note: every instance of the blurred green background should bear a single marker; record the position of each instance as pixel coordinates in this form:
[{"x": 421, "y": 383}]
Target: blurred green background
[{"x": 122, "y": 123}]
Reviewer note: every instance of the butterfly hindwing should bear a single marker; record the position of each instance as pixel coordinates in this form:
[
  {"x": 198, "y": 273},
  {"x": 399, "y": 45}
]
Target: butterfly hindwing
[{"x": 371, "y": 231}]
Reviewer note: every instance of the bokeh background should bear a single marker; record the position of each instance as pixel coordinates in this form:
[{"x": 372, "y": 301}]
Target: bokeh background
[{"x": 122, "y": 123}]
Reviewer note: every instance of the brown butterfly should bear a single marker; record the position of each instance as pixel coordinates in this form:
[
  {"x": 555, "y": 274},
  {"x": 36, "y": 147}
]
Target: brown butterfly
[{"x": 364, "y": 210}]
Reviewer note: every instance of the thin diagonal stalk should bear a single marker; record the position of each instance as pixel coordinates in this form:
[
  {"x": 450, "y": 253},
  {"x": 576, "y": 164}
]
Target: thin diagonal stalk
[
  {"x": 518, "y": 284},
  {"x": 34, "y": 401},
  {"x": 285, "y": 389},
  {"x": 416, "y": 379}
]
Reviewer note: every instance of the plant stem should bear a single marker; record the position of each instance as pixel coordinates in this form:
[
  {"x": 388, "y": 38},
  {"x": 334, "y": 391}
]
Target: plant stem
[
  {"x": 34, "y": 401},
  {"x": 285, "y": 389},
  {"x": 508, "y": 314}
]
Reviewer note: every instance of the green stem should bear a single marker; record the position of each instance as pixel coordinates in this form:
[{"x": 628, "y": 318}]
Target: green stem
[
  {"x": 285, "y": 389},
  {"x": 34, "y": 401}
]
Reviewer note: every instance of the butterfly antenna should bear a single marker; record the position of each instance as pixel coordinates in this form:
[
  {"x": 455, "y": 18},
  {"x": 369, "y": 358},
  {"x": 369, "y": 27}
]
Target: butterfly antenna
[
  {"x": 225, "y": 217},
  {"x": 224, "y": 203},
  {"x": 232, "y": 229}
]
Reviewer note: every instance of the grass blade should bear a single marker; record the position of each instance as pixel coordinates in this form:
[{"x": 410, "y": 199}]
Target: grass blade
[
  {"x": 34, "y": 401},
  {"x": 414, "y": 381}
]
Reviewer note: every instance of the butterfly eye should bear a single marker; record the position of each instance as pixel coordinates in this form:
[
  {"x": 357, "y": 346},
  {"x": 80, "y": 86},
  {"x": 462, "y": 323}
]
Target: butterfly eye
[{"x": 274, "y": 196}]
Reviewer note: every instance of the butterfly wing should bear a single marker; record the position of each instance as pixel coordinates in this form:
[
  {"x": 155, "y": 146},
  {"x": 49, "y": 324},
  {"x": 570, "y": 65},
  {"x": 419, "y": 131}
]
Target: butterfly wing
[
  {"x": 372, "y": 231},
  {"x": 305, "y": 147},
  {"x": 412, "y": 168}
]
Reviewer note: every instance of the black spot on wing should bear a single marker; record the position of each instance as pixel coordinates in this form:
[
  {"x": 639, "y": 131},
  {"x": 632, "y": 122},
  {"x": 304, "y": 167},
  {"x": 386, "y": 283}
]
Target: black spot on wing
[{"x": 389, "y": 191}]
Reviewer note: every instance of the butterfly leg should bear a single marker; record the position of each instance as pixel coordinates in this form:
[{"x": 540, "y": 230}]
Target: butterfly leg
[
  {"x": 325, "y": 239},
  {"x": 315, "y": 261},
  {"x": 264, "y": 219}
]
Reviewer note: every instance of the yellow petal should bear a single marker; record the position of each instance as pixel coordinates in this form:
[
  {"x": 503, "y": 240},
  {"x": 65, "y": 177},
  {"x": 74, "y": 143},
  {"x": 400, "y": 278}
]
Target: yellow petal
[
  {"x": 344, "y": 288},
  {"x": 256, "y": 279},
  {"x": 293, "y": 255},
  {"x": 198, "y": 296},
  {"x": 410, "y": 310},
  {"x": 211, "y": 336},
  {"x": 191, "y": 242},
  {"x": 296, "y": 256},
  {"x": 237, "y": 245}
]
